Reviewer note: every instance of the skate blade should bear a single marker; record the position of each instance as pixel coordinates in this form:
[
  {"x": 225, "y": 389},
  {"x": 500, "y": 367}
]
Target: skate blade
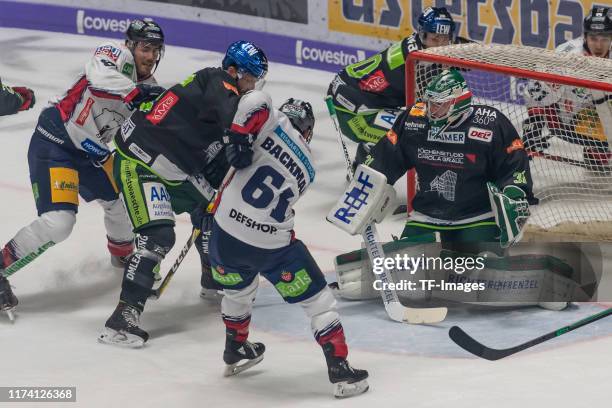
[
  {"x": 344, "y": 389},
  {"x": 10, "y": 314},
  {"x": 233, "y": 369},
  {"x": 121, "y": 339}
]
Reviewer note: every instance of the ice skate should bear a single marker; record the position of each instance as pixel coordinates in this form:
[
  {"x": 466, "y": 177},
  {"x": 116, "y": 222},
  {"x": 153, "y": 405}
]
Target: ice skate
[
  {"x": 8, "y": 300},
  {"x": 122, "y": 328},
  {"x": 236, "y": 352},
  {"x": 347, "y": 381}
]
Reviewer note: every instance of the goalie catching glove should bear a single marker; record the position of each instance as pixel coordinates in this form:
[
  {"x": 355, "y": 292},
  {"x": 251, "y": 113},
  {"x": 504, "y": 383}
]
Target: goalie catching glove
[{"x": 511, "y": 211}]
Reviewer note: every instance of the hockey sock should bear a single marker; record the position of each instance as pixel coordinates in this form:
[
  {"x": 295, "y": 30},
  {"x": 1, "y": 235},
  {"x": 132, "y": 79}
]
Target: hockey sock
[
  {"x": 325, "y": 324},
  {"x": 12, "y": 263},
  {"x": 119, "y": 248},
  {"x": 332, "y": 335},
  {"x": 237, "y": 328}
]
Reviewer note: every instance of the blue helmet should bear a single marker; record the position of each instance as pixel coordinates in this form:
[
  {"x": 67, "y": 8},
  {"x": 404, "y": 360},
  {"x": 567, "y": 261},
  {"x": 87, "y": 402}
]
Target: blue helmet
[
  {"x": 246, "y": 57},
  {"x": 436, "y": 20}
]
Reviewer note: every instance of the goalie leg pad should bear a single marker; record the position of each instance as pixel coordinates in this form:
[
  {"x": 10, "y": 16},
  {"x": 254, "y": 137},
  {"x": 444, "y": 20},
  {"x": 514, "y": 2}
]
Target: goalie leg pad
[{"x": 354, "y": 271}]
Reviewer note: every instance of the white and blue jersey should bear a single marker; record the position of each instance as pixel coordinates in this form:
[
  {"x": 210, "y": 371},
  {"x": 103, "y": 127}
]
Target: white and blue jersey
[{"x": 256, "y": 206}]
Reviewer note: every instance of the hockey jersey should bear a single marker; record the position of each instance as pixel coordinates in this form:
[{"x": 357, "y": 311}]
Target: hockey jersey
[
  {"x": 181, "y": 132},
  {"x": 95, "y": 106},
  {"x": 381, "y": 79},
  {"x": 453, "y": 165},
  {"x": 256, "y": 206},
  {"x": 10, "y": 101},
  {"x": 569, "y": 102}
]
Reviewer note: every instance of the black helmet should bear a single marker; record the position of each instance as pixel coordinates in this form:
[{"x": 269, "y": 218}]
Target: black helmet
[
  {"x": 599, "y": 21},
  {"x": 300, "y": 115},
  {"x": 146, "y": 31}
]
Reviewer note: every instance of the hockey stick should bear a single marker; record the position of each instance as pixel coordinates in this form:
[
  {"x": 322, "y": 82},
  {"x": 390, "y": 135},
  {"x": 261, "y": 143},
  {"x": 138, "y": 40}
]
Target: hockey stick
[
  {"x": 466, "y": 342},
  {"x": 560, "y": 159},
  {"x": 212, "y": 207},
  {"x": 332, "y": 112},
  {"x": 156, "y": 293},
  {"x": 394, "y": 308}
]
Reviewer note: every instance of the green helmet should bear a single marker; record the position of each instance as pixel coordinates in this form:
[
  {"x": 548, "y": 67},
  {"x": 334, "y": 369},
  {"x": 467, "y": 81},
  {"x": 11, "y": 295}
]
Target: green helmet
[{"x": 447, "y": 97}]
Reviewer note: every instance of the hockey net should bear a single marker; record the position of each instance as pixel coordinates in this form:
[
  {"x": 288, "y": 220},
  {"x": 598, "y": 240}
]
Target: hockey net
[{"x": 561, "y": 106}]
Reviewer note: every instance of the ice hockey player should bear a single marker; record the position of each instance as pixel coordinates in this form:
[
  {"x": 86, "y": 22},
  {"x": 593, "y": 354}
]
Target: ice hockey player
[
  {"x": 15, "y": 99},
  {"x": 252, "y": 233},
  {"x": 575, "y": 115},
  {"x": 69, "y": 153},
  {"x": 474, "y": 181},
  {"x": 368, "y": 95},
  {"x": 171, "y": 156}
]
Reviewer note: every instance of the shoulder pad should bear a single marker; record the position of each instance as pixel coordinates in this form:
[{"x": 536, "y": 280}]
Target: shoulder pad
[
  {"x": 253, "y": 112},
  {"x": 573, "y": 46},
  {"x": 418, "y": 110},
  {"x": 119, "y": 55}
]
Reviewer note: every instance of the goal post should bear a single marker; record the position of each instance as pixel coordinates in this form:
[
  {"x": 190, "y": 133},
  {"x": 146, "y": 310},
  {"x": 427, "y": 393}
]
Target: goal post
[{"x": 561, "y": 106}]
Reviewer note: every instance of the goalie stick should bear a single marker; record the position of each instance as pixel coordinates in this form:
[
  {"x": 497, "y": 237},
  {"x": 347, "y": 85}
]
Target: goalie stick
[
  {"x": 394, "y": 308},
  {"x": 561, "y": 159},
  {"x": 156, "y": 293},
  {"x": 468, "y": 343},
  {"x": 332, "y": 112}
]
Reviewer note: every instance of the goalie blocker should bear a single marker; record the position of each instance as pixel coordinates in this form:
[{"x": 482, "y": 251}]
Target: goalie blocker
[{"x": 368, "y": 199}]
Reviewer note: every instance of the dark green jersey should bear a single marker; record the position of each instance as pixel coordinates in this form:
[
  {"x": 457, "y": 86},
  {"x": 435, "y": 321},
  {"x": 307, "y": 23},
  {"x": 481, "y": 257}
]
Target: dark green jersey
[
  {"x": 181, "y": 132},
  {"x": 380, "y": 81},
  {"x": 454, "y": 165},
  {"x": 10, "y": 101}
]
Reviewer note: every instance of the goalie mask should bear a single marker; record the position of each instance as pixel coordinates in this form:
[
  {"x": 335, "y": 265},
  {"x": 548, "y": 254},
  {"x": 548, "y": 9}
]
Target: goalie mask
[
  {"x": 300, "y": 115},
  {"x": 448, "y": 98}
]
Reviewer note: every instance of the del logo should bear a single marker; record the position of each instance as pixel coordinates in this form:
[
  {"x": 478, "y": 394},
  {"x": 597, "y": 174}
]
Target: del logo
[
  {"x": 374, "y": 83},
  {"x": 482, "y": 135},
  {"x": 517, "y": 144},
  {"x": 286, "y": 276},
  {"x": 159, "y": 193},
  {"x": 221, "y": 270},
  {"x": 162, "y": 107},
  {"x": 392, "y": 136}
]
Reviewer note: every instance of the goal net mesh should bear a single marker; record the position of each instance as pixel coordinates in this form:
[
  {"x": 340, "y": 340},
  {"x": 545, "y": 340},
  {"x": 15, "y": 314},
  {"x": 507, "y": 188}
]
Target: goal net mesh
[{"x": 561, "y": 105}]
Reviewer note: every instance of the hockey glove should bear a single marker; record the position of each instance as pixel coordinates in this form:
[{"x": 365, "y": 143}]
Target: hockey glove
[
  {"x": 144, "y": 93},
  {"x": 599, "y": 97},
  {"x": 27, "y": 96},
  {"x": 533, "y": 137},
  {"x": 511, "y": 211},
  {"x": 238, "y": 149}
]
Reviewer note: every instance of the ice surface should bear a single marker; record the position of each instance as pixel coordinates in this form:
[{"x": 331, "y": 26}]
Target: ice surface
[{"x": 67, "y": 294}]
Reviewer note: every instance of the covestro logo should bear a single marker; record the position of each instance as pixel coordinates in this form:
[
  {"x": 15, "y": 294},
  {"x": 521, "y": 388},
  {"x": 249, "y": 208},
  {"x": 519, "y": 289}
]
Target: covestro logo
[
  {"x": 305, "y": 53},
  {"x": 86, "y": 21}
]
